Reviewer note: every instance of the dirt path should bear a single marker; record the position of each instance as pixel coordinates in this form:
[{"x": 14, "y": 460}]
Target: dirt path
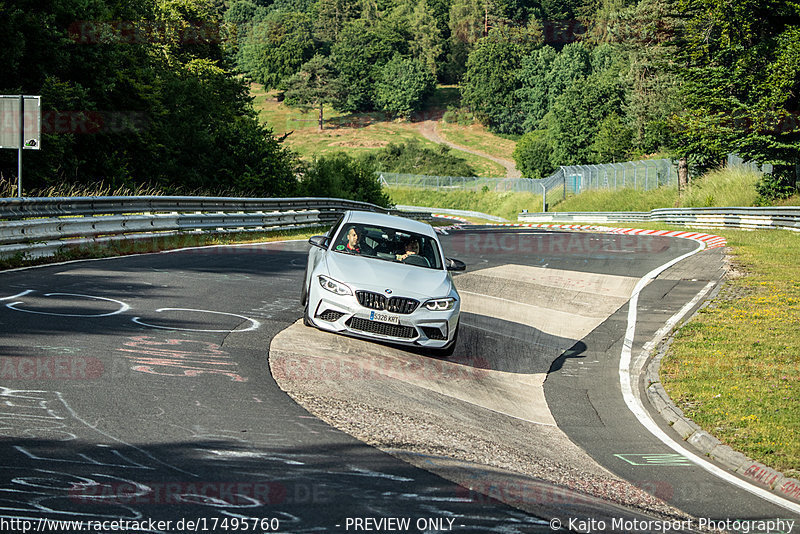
[{"x": 429, "y": 129}]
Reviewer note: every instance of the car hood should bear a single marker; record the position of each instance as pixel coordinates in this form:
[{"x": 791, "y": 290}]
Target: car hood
[{"x": 378, "y": 275}]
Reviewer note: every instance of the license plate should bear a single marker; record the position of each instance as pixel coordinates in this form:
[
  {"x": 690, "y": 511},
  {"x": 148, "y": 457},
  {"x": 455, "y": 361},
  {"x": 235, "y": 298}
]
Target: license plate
[{"x": 384, "y": 318}]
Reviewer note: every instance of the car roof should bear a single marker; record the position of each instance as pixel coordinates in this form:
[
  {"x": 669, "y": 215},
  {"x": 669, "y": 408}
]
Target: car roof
[{"x": 392, "y": 221}]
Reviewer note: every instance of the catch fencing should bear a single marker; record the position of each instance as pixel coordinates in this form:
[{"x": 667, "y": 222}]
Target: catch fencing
[
  {"x": 569, "y": 179},
  {"x": 451, "y": 183}
]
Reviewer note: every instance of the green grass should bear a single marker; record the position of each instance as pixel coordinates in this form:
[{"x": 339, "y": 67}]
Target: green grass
[
  {"x": 506, "y": 205},
  {"x": 478, "y": 137},
  {"x": 355, "y": 134},
  {"x": 720, "y": 188},
  {"x": 735, "y": 367},
  {"x": 622, "y": 200}
]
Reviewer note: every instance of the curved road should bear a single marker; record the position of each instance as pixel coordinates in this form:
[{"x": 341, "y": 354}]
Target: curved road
[{"x": 139, "y": 388}]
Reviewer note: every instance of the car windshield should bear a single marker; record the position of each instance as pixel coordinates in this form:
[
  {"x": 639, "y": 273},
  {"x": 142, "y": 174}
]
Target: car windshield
[{"x": 388, "y": 244}]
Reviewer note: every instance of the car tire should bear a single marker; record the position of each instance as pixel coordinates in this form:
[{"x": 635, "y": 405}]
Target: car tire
[
  {"x": 306, "y": 316},
  {"x": 304, "y": 289}
]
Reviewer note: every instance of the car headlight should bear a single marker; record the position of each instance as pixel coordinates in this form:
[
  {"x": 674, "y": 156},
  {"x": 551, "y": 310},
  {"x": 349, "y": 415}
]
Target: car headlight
[
  {"x": 440, "y": 304},
  {"x": 333, "y": 286}
]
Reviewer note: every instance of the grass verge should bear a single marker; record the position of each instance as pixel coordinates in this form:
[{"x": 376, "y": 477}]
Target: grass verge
[
  {"x": 506, "y": 205},
  {"x": 720, "y": 188},
  {"x": 735, "y": 367}
]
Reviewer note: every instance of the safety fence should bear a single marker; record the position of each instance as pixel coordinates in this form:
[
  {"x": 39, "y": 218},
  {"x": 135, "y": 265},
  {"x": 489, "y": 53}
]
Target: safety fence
[
  {"x": 572, "y": 179},
  {"x": 779, "y": 217},
  {"x": 643, "y": 175},
  {"x": 450, "y": 183},
  {"x": 36, "y": 227}
]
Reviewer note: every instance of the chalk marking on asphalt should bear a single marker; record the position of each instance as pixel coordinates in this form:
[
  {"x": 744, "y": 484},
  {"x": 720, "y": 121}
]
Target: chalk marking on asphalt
[
  {"x": 123, "y": 307},
  {"x": 637, "y": 408},
  {"x": 94, "y": 427},
  {"x": 18, "y": 295},
  {"x": 254, "y": 324}
]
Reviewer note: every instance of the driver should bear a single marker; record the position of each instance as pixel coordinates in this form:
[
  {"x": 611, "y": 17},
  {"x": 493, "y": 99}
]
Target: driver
[
  {"x": 411, "y": 248},
  {"x": 352, "y": 241}
]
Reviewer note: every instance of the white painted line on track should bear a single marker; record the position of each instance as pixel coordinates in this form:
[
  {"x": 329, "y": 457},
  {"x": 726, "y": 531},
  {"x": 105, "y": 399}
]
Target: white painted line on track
[{"x": 637, "y": 408}]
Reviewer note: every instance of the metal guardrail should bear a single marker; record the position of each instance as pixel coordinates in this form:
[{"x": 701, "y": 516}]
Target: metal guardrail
[
  {"x": 37, "y": 227},
  {"x": 447, "y": 211},
  {"x": 781, "y": 217}
]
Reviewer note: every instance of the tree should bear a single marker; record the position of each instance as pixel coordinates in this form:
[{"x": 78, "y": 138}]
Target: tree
[
  {"x": 466, "y": 28},
  {"x": 572, "y": 63},
  {"x": 490, "y": 84},
  {"x": 331, "y": 16},
  {"x": 576, "y": 116},
  {"x": 359, "y": 55},
  {"x": 412, "y": 158},
  {"x": 613, "y": 140},
  {"x": 313, "y": 86},
  {"x": 741, "y": 79},
  {"x": 148, "y": 101},
  {"x": 533, "y": 91},
  {"x": 276, "y": 47},
  {"x": 426, "y": 43},
  {"x": 402, "y": 86}
]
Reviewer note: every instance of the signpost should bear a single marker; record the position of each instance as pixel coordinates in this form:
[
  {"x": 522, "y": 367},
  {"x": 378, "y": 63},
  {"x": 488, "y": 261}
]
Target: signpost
[{"x": 20, "y": 126}]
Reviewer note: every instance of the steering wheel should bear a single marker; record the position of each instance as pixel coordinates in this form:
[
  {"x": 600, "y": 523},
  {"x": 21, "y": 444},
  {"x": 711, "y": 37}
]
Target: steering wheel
[{"x": 416, "y": 259}]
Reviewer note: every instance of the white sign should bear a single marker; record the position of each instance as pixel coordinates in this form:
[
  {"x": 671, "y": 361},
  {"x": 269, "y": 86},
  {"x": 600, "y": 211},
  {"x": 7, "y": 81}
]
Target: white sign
[{"x": 10, "y": 122}]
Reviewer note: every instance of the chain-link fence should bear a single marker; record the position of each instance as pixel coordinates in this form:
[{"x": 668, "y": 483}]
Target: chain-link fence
[
  {"x": 645, "y": 174},
  {"x": 734, "y": 160},
  {"x": 440, "y": 183}
]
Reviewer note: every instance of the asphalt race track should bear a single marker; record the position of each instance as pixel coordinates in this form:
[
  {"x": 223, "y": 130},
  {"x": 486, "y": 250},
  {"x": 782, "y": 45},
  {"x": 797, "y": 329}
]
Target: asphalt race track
[{"x": 142, "y": 389}]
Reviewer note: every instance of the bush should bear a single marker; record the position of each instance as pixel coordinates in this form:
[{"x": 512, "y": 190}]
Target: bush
[
  {"x": 778, "y": 185},
  {"x": 411, "y": 158},
  {"x": 342, "y": 176},
  {"x": 532, "y": 155}
]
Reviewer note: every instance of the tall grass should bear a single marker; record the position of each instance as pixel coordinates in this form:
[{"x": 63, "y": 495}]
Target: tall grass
[
  {"x": 8, "y": 188},
  {"x": 506, "y": 205},
  {"x": 716, "y": 189},
  {"x": 620, "y": 200},
  {"x": 722, "y": 188}
]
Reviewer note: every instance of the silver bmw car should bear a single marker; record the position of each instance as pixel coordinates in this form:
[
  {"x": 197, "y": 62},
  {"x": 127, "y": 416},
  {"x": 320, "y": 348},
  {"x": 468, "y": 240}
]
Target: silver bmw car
[{"x": 385, "y": 278}]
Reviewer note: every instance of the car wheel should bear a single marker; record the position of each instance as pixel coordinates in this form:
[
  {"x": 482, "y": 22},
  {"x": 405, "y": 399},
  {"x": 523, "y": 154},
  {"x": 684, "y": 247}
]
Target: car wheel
[
  {"x": 449, "y": 349},
  {"x": 306, "y": 317},
  {"x": 304, "y": 289}
]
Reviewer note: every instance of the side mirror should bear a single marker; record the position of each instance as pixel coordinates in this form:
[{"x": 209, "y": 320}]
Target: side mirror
[
  {"x": 453, "y": 264},
  {"x": 321, "y": 241}
]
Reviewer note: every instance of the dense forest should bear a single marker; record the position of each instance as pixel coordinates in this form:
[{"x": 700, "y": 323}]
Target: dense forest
[{"x": 156, "y": 91}]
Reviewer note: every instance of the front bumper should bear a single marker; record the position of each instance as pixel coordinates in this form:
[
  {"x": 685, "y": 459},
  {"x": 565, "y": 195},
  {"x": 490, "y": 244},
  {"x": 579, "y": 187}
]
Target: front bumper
[{"x": 344, "y": 314}]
